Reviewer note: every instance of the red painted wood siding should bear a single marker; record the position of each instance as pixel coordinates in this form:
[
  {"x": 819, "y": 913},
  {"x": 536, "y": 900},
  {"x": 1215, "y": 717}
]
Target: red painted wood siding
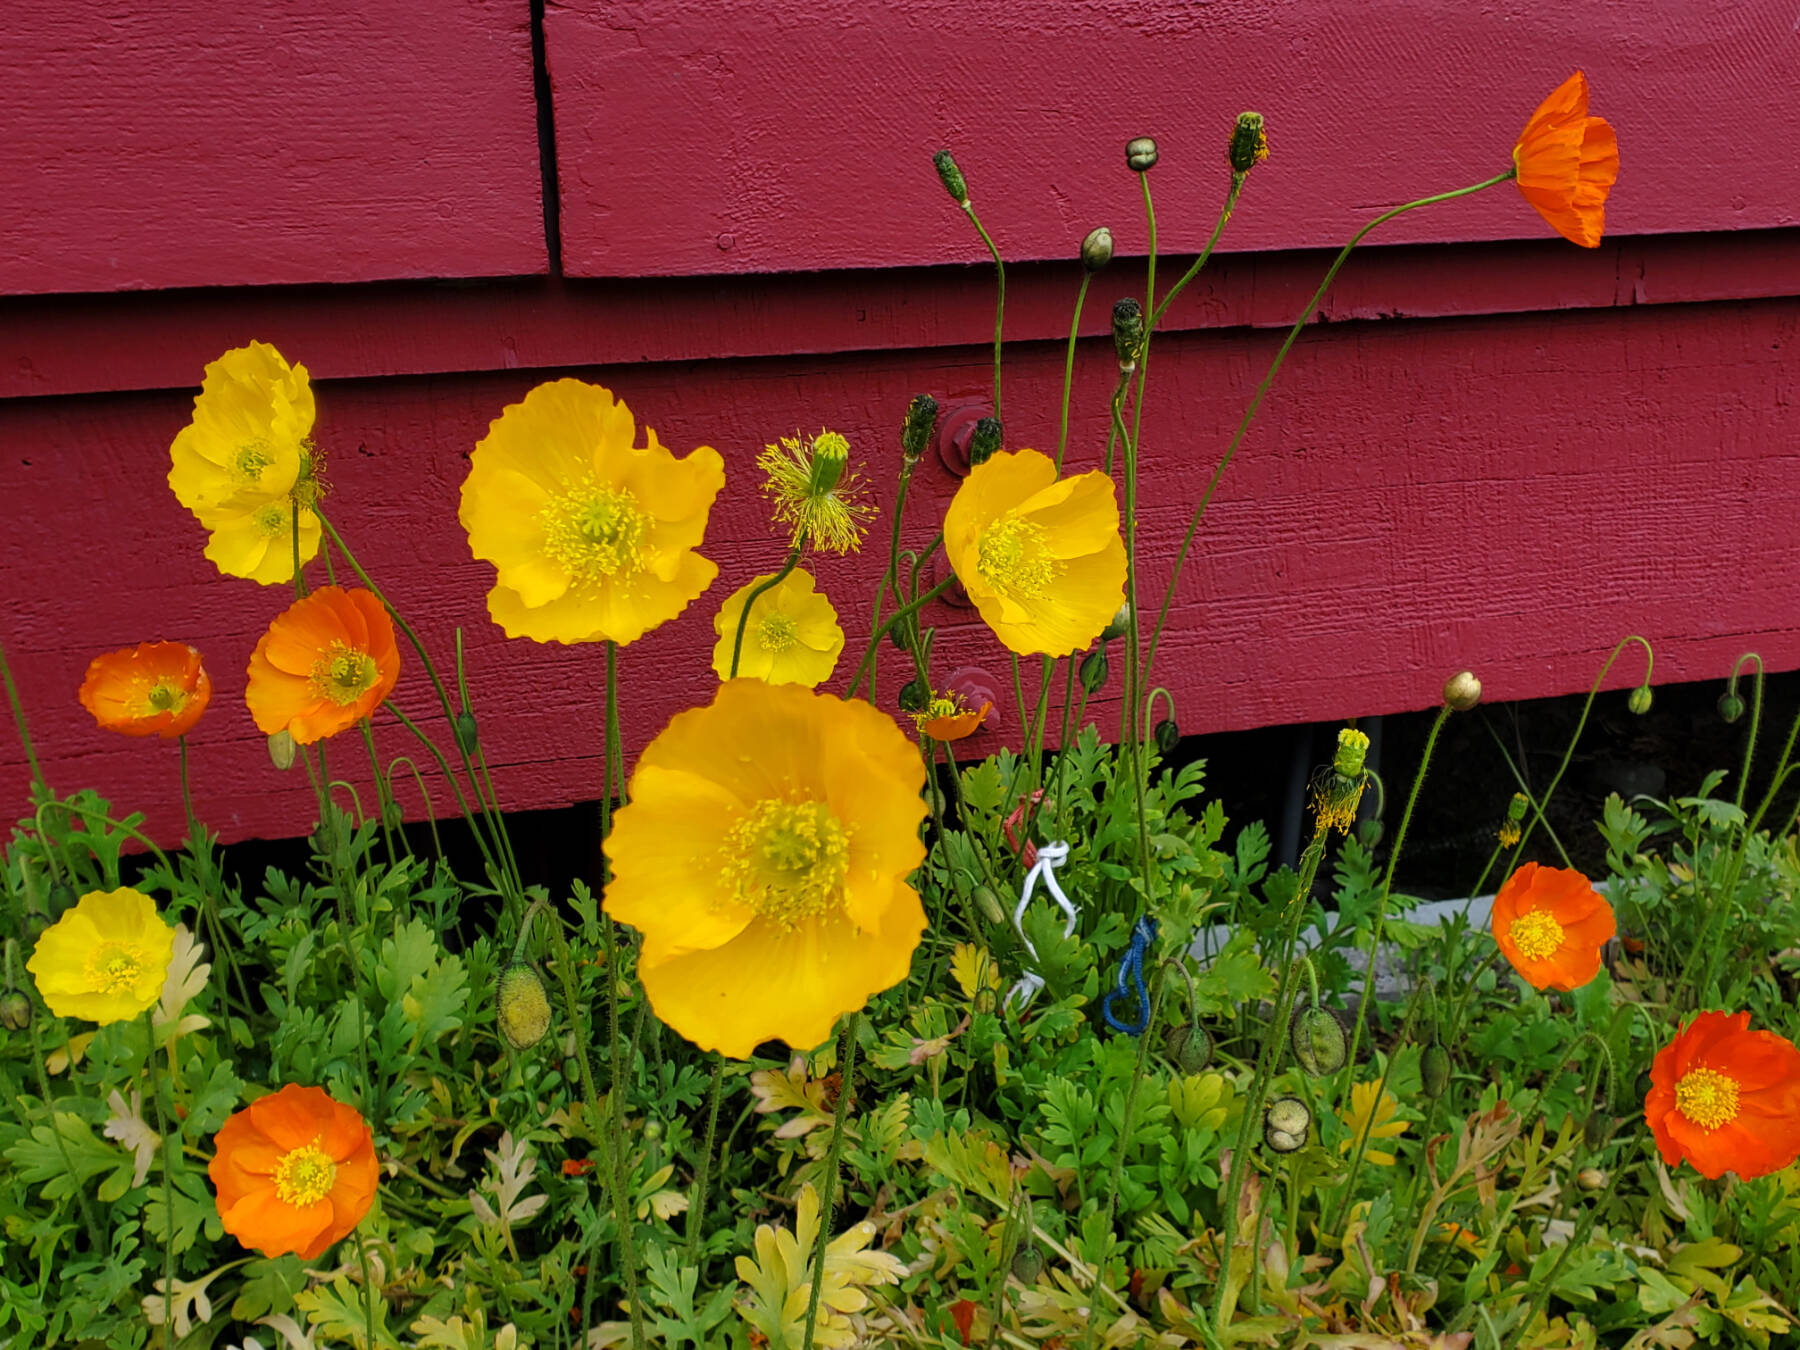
[
  {"x": 751, "y": 138},
  {"x": 192, "y": 143},
  {"x": 1496, "y": 450}
]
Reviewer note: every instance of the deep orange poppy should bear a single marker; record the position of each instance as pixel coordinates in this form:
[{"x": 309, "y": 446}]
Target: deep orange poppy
[
  {"x": 152, "y": 689},
  {"x": 1725, "y": 1098},
  {"x": 295, "y": 1171},
  {"x": 948, "y": 717},
  {"x": 1566, "y": 163},
  {"x": 326, "y": 663},
  {"x": 1551, "y": 923}
]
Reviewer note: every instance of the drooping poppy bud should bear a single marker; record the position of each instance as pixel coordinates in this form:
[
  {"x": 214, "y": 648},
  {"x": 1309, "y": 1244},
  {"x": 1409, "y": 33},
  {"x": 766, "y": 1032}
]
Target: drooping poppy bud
[
  {"x": 1639, "y": 700},
  {"x": 521, "y": 1006},
  {"x": 1434, "y": 1069},
  {"x": 951, "y": 177},
  {"x": 1318, "y": 1041},
  {"x": 1093, "y": 670},
  {"x": 1168, "y": 737},
  {"x": 1190, "y": 1046},
  {"x": 1462, "y": 691}
]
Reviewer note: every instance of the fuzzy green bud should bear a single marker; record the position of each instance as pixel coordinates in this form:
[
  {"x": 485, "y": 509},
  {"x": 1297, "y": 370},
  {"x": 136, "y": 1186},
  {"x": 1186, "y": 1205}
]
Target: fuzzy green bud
[
  {"x": 1434, "y": 1069},
  {"x": 1128, "y": 331},
  {"x": 1097, "y": 248},
  {"x": 282, "y": 750},
  {"x": 1639, "y": 700},
  {"x": 1249, "y": 145},
  {"x": 1093, "y": 670},
  {"x": 1731, "y": 706},
  {"x": 914, "y": 695},
  {"x": 1285, "y": 1124},
  {"x": 830, "y": 457},
  {"x": 1352, "y": 750},
  {"x": 1189, "y": 1046},
  {"x": 915, "y": 431},
  {"x": 1462, "y": 691},
  {"x": 1167, "y": 736},
  {"x": 951, "y": 177},
  {"x": 989, "y": 904},
  {"x": 521, "y": 1006},
  {"x": 468, "y": 737},
  {"x": 1596, "y": 1130},
  {"x": 15, "y": 1010},
  {"x": 1119, "y": 625},
  {"x": 984, "y": 441},
  {"x": 1319, "y": 1044},
  {"x": 392, "y": 816},
  {"x": 1140, "y": 154},
  {"x": 1027, "y": 1265}
]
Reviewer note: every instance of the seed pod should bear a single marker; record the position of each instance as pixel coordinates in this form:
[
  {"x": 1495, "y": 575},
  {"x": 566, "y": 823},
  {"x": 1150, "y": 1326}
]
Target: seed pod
[
  {"x": 467, "y": 735},
  {"x": 15, "y": 1010},
  {"x": 1318, "y": 1041},
  {"x": 1249, "y": 144},
  {"x": 1097, "y": 249},
  {"x": 1434, "y": 1070},
  {"x": 1639, "y": 700},
  {"x": 915, "y": 431},
  {"x": 914, "y": 696},
  {"x": 521, "y": 1006},
  {"x": 1285, "y": 1124},
  {"x": 1731, "y": 706},
  {"x": 282, "y": 750},
  {"x": 1140, "y": 154},
  {"x": 1168, "y": 737},
  {"x": 1591, "y": 1179},
  {"x": 1352, "y": 752},
  {"x": 1027, "y": 1265},
  {"x": 984, "y": 441},
  {"x": 1190, "y": 1046},
  {"x": 1462, "y": 691},
  {"x": 989, "y": 904},
  {"x": 1128, "y": 331},
  {"x": 951, "y": 177},
  {"x": 1093, "y": 670}
]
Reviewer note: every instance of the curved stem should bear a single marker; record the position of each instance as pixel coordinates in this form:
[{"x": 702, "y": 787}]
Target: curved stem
[
  {"x": 828, "y": 1183},
  {"x": 910, "y": 607},
  {"x": 1518, "y": 773},
  {"x": 1062, "y": 435},
  {"x": 999, "y": 318},
  {"x": 737, "y": 645}
]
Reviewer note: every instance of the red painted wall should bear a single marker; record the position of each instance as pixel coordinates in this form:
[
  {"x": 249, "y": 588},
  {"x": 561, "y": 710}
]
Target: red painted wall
[{"x": 1499, "y": 451}]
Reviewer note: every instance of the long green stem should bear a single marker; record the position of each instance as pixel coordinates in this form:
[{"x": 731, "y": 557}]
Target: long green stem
[
  {"x": 697, "y": 1209},
  {"x": 168, "y": 1170},
  {"x": 495, "y": 871},
  {"x": 200, "y": 844},
  {"x": 1268, "y": 379},
  {"x": 18, "y": 713},
  {"x": 1062, "y": 435},
  {"x": 828, "y": 1183},
  {"x": 1518, "y": 772},
  {"x": 999, "y": 304},
  {"x": 737, "y": 644}
]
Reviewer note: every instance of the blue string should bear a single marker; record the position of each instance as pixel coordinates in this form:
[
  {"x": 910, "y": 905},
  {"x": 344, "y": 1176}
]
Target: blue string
[{"x": 1131, "y": 972}]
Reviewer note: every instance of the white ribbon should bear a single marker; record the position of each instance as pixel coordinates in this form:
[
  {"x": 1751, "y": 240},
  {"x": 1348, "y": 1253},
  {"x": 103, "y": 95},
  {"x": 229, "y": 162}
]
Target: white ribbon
[{"x": 1049, "y": 858}]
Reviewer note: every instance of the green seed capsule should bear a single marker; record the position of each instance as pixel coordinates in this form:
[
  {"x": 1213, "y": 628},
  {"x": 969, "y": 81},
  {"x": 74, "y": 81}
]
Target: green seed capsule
[
  {"x": 1093, "y": 670},
  {"x": 914, "y": 695},
  {"x": 1027, "y": 1265},
  {"x": 1190, "y": 1046},
  {"x": 1318, "y": 1041},
  {"x": 15, "y": 1010},
  {"x": 985, "y": 441},
  {"x": 1434, "y": 1069}
]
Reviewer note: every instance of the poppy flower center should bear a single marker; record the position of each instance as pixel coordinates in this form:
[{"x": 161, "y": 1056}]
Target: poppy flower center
[
  {"x": 272, "y": 520},
  {"x": 1707, "y": 1097},
  {"x": 250, "y": 461},
  {"x": 595, "y": 531},
  {"x": 165, "y": 697},
  {"x": 1536, "y": 935},
  {"x": 305, "y": 1175},
  {"x": 776, "y": 633},
  {"x": 343, "y": 674},
  {"x": 114, "y": 968},
  {"x": 787, "y": 860},
  {"x": 1013, "y": 559}
]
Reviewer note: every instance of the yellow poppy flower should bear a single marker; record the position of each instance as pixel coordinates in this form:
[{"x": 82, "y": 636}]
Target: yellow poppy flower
[
  {"x": 792, "y": 637},
  {"x": 1374, "y": 1111},
  {"x": 592, "y": 535},
  {"x": 106, "y": 959},
  {"x": 1040, "y": 556},
  {"x": 245, "y": 459},
  {"x": 764, "y": 855}
]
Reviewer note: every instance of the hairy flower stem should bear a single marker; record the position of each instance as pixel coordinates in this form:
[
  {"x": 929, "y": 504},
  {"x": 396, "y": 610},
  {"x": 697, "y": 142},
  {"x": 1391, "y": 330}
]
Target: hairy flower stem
[
  {"x": 697, "y": 1210},
  {"x": 999, "y": 319},
  {"x": 1268, "y": 379},
  {"x": 828, "y": 1183},
  {"x": 737, "y": 645},
  {"x": 890, "y": 581},
  {"x": 1062, "y": 435},
  {"x": 382, "y": 796},
  {"x": 101, "y": 1236},
  {"x": 1267, "y": 1060},
  {"x": 494, "y": 870}
]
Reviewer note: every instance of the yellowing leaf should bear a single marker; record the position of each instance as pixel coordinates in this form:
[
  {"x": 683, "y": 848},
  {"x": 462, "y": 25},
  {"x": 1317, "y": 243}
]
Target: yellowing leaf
[{"x": 974, "y": 969}]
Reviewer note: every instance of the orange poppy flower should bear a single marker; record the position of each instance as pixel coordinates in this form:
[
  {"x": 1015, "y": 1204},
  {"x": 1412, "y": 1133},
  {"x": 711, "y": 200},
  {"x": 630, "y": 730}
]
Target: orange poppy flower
[
  {"x": 1550, "y": 923},
  {"x": 325, "y": 664},
  {"x": 1725, "y": 1098},
  {"x": 295, "y": 1171},
  {"x": 948, "y": 717},
  {"x": 152, "y": 689},
  {"x": 1565, "y": 163}
]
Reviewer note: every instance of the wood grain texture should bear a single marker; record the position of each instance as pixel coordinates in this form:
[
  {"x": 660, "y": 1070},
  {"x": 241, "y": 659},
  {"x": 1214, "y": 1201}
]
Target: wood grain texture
[
  {"x": 1511, "y": 493},
  {"x": 48, "y": 345},
  {"x": 193, "y": 144},
  {"x": 703, "y": 138}
]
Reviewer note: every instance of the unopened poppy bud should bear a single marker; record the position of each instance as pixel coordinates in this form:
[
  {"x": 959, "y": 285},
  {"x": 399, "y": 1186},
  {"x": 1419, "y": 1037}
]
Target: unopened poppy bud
[
  {"x": 1119, "y": 625},
  {"x": 653, "y": 1130},
  {"x": 1318, "y": 1040},
  {"x": 1128, "y": 331},
  {"x": 521, "y": 1006},
  {"x": 1639, "y": 700},
  {"x": 1434, "y": 1069},
  {"x": 1097, "y": 248},
  {"x": 15, "y": 1010},
  {"x": 1352, "y": 750},
  {"x": 1591, "y": 1179},
  {"x": 1249, "y": 145},
  {"x": 1285, "y": 1124},
  {"x": 984, "y": 441},
  {"x": 915, "y": 432},
  {"x": 1168, "y": 737},
  {"x": 914, "y": 695},
  {"x": 1462, "y": 691},
  {"x": 468, "y": 736},
  {"x": 393, "y": 816},
  {"x": 989, "y": 904},
  {"x": 1731, "y": 706},
  {"x": 900, "y": 636},
  {"x": 951, "y": 177},
  {"x": 1596, "y": 1130},
  {"x": 1140, "y": 154},
  {"x": 1190, "y": 1046},
  {"x": 1027, "y": 1265},
  {"x": 1093, "y": 670},
  {"x": 282, "y": 750}
]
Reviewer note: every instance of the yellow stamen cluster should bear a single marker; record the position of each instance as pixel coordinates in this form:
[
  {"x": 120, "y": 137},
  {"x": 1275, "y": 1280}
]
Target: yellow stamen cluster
[
  {"x": 814, "y": 493},
  {"x": 343, "y": 674},
  {"x": 776, "y": 632},
  {"x": 114, "y": 967},
  {"x": 1536, "y": 935},
  {"x": 1013, "y": 558},
  {"x": 305, "y": 1175},
  {"x": 1508, "y": 834},
  {"x": 594, "y": 531},
  {"x": 1336, "y": 800},
  {"x": 1707, "y": 1097},
  {"x": 787, "y": 861}
]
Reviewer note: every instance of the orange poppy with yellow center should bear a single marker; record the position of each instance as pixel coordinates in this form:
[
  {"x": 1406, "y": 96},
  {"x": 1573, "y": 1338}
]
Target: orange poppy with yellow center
[
  {"x": 1566, "y": 162},
  {"x": 1726, "y": 1098},
  {"x": 325, "y": 664},
  {"x": 1551, "y": 923},
  {"x": 152, "y": 689},
  {"x": 294, "y": 1171}
]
